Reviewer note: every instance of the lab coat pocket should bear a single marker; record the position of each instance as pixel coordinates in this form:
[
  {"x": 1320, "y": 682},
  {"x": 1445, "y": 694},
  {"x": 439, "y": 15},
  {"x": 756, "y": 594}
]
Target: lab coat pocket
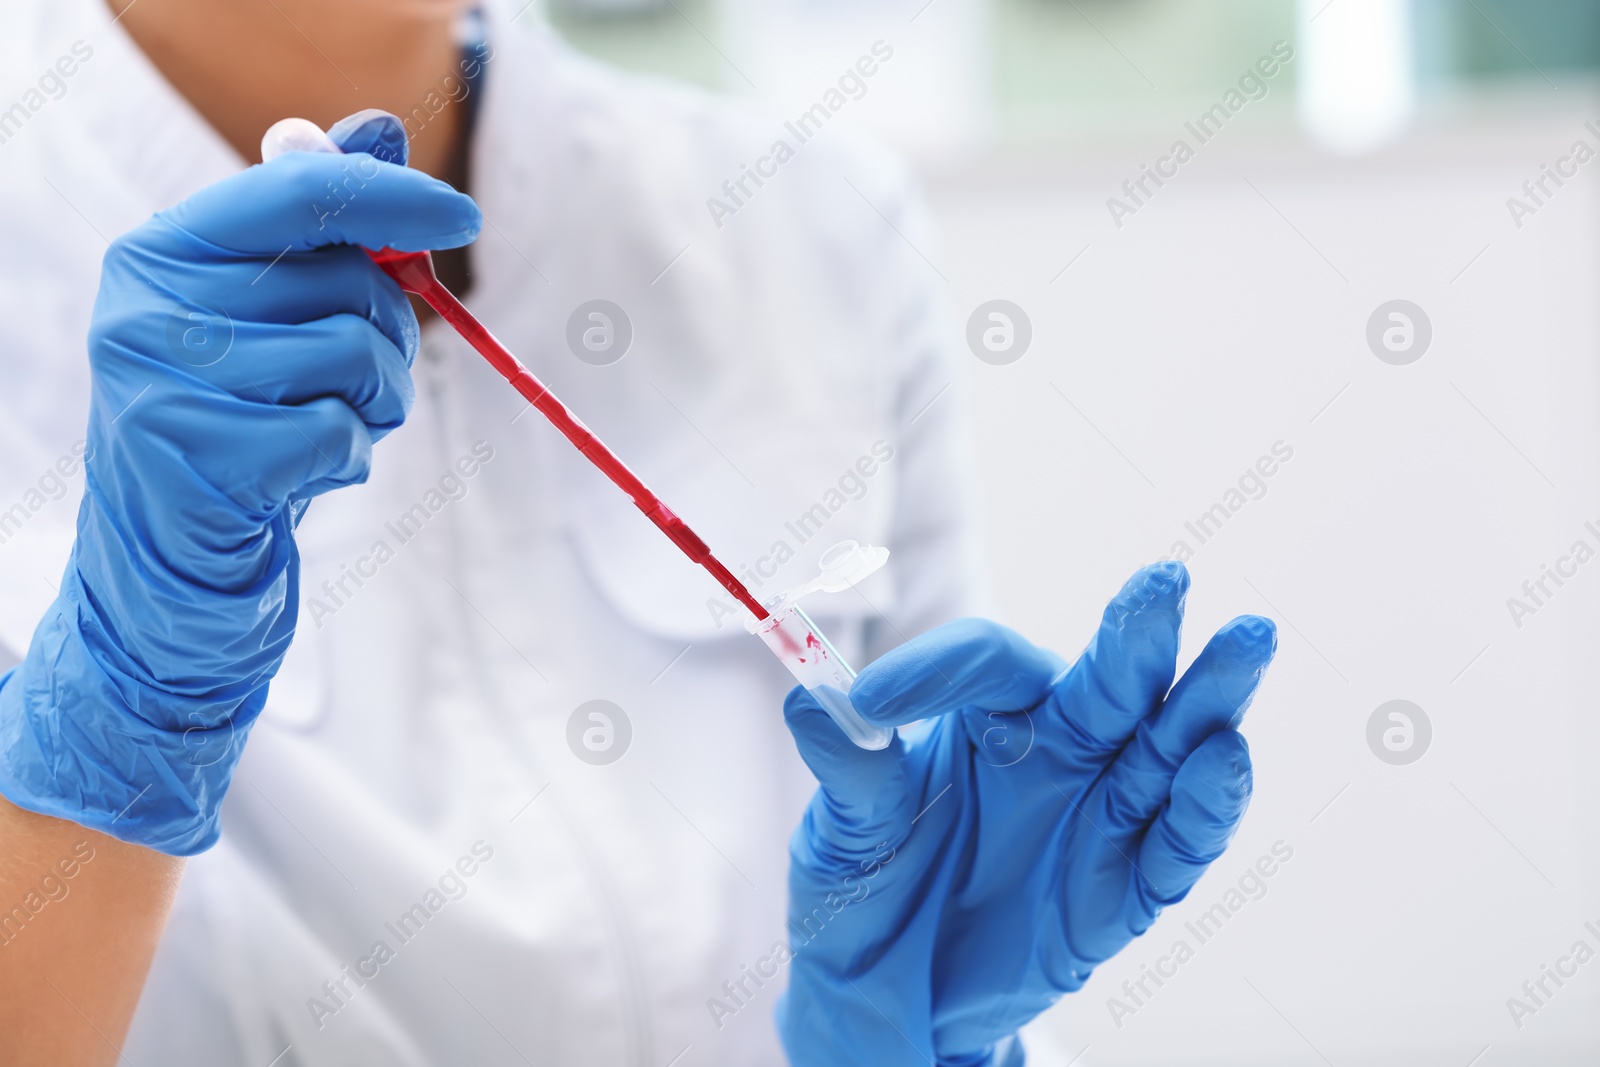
[{"x": 768, "y": 519}]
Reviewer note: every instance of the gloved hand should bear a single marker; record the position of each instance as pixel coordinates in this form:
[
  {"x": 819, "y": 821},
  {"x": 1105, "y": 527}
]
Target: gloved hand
[
  {"x": 947, "y": 889},
  {"x": 245, "y": 354}
]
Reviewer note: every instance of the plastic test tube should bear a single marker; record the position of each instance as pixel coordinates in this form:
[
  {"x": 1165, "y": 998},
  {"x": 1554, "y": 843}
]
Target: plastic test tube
[{"x": 817, "y": 665}]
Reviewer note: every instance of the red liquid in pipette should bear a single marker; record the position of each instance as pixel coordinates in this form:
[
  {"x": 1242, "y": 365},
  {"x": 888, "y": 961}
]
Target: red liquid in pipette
[{"x": 414, "y": 273}]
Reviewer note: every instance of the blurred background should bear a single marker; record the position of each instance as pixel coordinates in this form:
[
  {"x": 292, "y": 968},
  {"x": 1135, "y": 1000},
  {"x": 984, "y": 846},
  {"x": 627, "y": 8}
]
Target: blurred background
[{"x": 1429, "y": 457}]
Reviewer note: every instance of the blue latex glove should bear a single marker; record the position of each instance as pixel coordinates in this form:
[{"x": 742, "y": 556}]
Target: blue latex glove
[
  {"x": 947, "y": 889},
  {"x": 244, "y": 354}
]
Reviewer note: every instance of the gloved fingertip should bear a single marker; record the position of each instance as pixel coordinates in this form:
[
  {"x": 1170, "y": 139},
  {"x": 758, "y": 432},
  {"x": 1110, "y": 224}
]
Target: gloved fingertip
[
  {"x": 966, "y": 663},
  {"x": 466, "y": 224},
  {"x": 1170, "y": 569},
  {"x": 1241, "y": 771},
  {"x": 375, "y": 132},
  {"x": 1236, "y": 659},
  {"x": 1158, "y": 588},
  {"x": 1253, "y": 633},
  {"x": 1218, "y": 773},
  {"x": 1168, "y": 576}
]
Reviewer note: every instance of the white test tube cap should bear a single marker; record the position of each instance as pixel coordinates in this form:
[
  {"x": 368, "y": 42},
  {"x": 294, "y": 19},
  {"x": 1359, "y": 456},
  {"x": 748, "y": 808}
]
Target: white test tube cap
[
  {"x": 295, "y": 135},
  {"x": 847, "y": 563},
  {"x": 842, "y": 566}
]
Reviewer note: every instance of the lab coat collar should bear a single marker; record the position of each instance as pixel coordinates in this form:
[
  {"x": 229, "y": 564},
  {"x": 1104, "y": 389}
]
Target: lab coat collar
[{"x": 156, "y": 144}]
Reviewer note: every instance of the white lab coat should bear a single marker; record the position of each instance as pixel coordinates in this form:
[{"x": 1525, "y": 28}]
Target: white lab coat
[{"x": 421, "y": 721}]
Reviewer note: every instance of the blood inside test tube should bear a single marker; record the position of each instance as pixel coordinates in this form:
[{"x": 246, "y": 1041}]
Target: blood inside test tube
[
  {"x": 802, "y": 648},
  {"x": 414, "y": 273}
]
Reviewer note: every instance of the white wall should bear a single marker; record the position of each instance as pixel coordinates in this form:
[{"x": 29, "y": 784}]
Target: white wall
[{"x": 1196, "y": 336}]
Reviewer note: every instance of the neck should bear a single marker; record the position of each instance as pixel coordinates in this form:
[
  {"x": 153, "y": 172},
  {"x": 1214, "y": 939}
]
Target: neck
[{"x": 244, "y": 64}]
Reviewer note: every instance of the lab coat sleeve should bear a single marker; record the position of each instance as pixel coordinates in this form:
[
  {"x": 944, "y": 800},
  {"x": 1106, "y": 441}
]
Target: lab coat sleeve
[{"x": 932, "y": 531}]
